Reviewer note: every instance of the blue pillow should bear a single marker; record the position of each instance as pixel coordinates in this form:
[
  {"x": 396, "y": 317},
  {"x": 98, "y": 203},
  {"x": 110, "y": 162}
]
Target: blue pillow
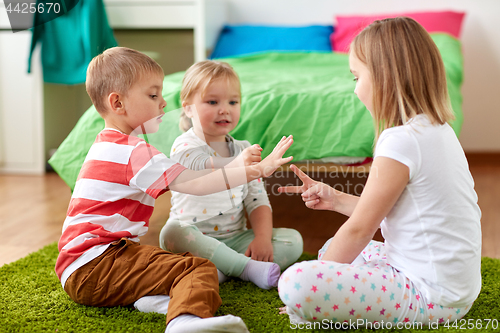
[{"x": 244, "y": 39}]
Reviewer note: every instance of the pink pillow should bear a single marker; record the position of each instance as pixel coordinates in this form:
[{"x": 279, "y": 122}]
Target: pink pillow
[{"x": 349, "y": 26}]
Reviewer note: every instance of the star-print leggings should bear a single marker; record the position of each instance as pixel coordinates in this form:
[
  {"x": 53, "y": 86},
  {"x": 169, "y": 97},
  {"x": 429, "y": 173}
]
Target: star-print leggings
[
  {"x": 368, "y": 290},
  {"x": 228, "y": 254}
]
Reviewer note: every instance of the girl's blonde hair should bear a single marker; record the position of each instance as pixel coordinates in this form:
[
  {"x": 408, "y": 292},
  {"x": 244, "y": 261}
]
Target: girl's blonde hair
[
  {"x": 407, "y": 71},
  {"x": 116, "y": 70},
  {"x": 197, "y": 79}
]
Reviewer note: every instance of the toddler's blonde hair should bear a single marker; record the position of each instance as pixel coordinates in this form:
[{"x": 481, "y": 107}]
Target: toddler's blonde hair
[
  {"x": 197, "y": 79},
  {"x": 116, "y": 70},
  {"x": 407, "y": 71}
]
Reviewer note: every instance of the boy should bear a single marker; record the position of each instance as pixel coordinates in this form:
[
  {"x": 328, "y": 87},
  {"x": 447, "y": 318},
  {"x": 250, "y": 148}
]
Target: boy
[{"x": 101, "y": 262}]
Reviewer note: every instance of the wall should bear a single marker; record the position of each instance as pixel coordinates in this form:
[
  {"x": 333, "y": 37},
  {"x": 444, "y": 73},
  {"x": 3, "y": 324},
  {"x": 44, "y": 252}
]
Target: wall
[{"x": 481, "y": 47}]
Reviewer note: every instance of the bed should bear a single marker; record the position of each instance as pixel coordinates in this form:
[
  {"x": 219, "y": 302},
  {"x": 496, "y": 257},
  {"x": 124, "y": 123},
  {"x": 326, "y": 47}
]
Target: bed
[{"x": 301, "y": 88}]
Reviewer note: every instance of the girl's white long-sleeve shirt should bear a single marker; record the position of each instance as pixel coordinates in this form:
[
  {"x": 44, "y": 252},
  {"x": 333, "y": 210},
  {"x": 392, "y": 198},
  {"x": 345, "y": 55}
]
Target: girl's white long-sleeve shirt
[{"x": 222, "y": 214}]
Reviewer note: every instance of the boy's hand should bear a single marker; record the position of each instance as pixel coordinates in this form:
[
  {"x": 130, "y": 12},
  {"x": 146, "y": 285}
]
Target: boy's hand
[
  {"x": 260, "y": 249},
  {"x": 316, "y": 195},
  {"x": 275, "y": 159},
  {"x": 251, "y": 155}
]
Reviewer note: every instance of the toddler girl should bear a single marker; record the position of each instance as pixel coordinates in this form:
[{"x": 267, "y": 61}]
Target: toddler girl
[
  {"x": 214, "y": 226},
  {"x": 419, "y": 192}
]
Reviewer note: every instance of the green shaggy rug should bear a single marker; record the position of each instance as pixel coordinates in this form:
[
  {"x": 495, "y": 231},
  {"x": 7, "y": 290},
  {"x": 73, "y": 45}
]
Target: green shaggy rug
[{"x": 32, "y": 300}]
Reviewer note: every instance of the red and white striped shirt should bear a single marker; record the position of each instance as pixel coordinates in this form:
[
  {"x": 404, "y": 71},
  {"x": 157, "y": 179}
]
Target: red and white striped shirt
[{"x": 114, "y": 197}]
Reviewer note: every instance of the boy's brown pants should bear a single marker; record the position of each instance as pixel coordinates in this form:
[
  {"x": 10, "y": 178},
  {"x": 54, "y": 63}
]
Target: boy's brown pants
[{"x": 127, "y": 271}]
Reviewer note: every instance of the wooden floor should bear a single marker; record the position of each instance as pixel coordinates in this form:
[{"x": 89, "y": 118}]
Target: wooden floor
[{"x": 33, "y": 209}]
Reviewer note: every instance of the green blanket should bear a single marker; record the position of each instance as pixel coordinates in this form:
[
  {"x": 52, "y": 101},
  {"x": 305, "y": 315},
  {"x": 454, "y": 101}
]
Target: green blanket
[{"x": 309, "y": 95}]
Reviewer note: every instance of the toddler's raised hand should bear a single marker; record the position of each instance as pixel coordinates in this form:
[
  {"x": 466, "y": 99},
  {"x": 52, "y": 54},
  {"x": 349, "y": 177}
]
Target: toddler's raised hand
[
  {"x": 251, "y": 155},
  {"x": 275, "y": 159}
]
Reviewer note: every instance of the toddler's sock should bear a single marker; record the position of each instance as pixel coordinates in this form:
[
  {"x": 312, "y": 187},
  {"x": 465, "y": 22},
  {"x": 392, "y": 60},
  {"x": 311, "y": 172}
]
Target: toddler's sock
[
  {"x": 156, "y": 303},
  {"x": 188, "y": 323},
  {"x": 222, "y": 277},
  {"x": 264, "y": 274}
]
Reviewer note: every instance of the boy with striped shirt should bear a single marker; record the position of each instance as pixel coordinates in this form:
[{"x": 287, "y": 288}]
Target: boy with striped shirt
[{"x": 101, "y": 262}]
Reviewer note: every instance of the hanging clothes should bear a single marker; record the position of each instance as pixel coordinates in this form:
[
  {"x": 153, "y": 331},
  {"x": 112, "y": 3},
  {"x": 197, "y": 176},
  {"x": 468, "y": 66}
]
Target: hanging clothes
[{"x": 69, "y": 42}]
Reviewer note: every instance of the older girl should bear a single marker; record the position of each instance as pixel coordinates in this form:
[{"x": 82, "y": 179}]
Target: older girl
[{"x": 419, "y": 192}]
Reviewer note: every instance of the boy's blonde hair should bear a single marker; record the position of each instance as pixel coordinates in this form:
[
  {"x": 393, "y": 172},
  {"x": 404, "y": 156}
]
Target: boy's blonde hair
[
  {"x": 116, "y": 70},
  {"x": 407, "y": 71},
  {"x": 197, "y": 79}
]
